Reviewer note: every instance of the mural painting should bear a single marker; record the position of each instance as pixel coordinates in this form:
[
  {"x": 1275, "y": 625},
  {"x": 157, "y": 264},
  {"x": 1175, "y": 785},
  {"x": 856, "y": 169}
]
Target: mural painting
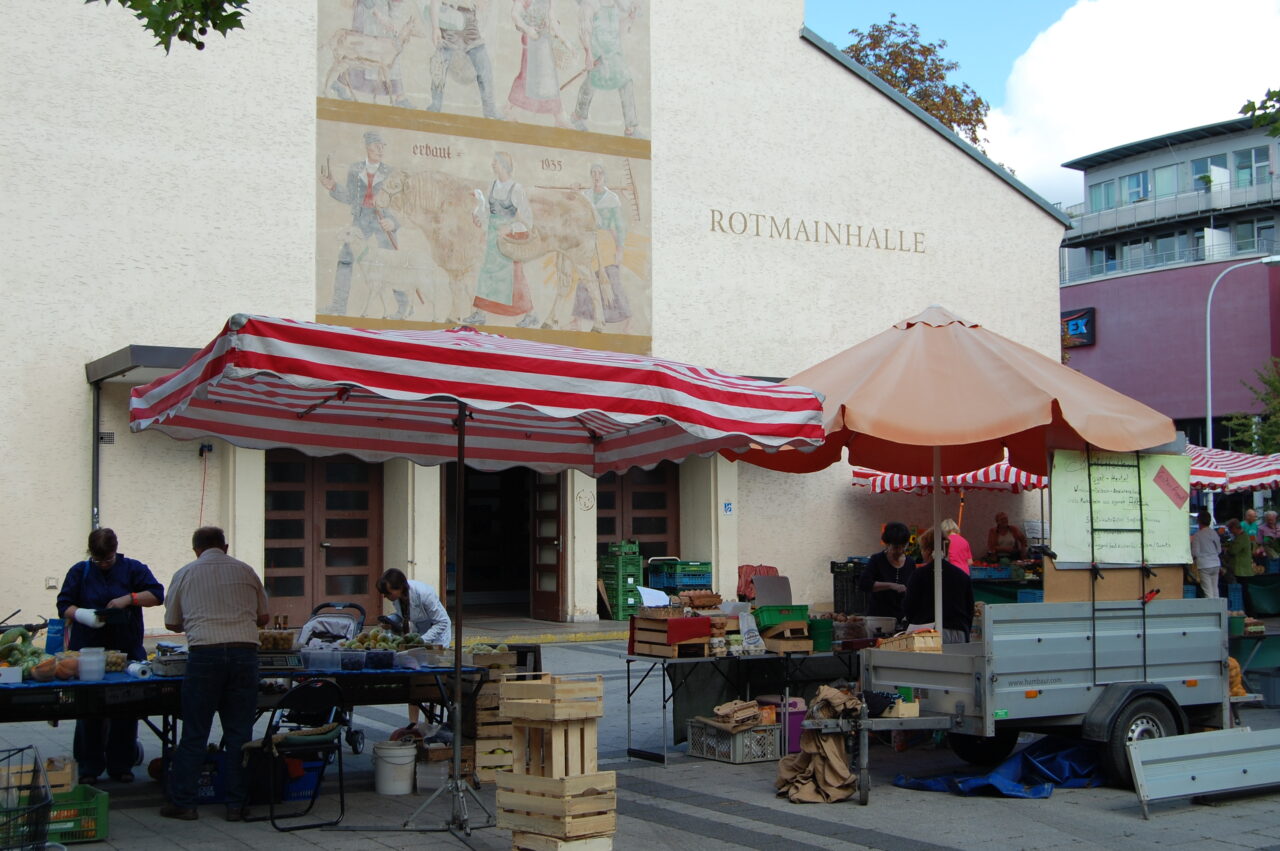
[{"x": 485, "y": 162}]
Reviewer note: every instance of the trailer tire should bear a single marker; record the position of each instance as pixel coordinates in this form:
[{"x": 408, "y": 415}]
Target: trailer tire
[
  {"x": 983, "y": 750},
  {"x": 1144, "y": 718}
]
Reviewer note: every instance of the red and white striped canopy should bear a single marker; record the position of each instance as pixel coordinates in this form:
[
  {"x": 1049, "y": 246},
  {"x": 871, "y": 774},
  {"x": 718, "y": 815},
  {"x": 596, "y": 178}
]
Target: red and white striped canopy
[
  {"x": 326, "y": 390},
  {"x": 1211, "y": 469},
  {"x": 998, "y": 477},
  {"x": 1219, "y": 469}
]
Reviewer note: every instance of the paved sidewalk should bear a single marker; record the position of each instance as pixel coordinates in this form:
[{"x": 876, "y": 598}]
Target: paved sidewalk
[{"x": 694, "y": 803}]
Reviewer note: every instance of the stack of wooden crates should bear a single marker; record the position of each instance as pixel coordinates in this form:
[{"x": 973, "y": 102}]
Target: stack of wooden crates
[
  {"x": 621, "y": 571},
  {"x": 553, "y": 797},
  {"x": 492, "y": 732}
]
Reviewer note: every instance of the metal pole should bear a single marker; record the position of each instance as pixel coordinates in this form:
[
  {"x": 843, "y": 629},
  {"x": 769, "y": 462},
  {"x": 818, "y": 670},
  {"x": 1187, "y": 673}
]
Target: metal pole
[
  {"x": 937, "y": 541},
  {"x": 459, "y": 819},
  {"x": 1273, "y": 260}
]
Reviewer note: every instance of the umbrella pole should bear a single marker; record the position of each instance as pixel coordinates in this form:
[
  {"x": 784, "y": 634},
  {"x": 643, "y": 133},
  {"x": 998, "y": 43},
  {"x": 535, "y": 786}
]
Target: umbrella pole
[{"x": 937, "y": 541}]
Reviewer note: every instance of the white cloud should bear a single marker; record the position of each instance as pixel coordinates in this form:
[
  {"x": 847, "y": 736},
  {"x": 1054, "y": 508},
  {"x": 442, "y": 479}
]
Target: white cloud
[{"x": 1116, "y": 71}]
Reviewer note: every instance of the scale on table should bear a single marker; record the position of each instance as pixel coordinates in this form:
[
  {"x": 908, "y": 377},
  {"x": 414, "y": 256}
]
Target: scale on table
[{"x": 279, "y": 660}]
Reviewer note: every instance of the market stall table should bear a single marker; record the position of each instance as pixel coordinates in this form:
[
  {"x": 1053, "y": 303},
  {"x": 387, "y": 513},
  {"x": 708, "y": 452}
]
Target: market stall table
[{"x": 718, "y": 679}]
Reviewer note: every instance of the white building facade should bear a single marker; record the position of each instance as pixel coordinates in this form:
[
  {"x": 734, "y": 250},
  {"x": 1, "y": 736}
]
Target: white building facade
[{"x": 783, "y": 206}]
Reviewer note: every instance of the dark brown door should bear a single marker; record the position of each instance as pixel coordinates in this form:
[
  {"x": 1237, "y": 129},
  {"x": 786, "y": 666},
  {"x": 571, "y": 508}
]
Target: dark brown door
[
  {"x": 323, "y": 533},
  {"x": 547, "y": 577},
  {"x": 641, "y": 505}
]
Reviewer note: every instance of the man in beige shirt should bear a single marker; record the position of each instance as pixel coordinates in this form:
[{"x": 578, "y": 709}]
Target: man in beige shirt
[{"x": 219, "y": 602}]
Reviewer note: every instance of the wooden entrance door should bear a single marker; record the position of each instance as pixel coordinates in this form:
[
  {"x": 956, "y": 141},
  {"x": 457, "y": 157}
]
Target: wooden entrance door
[
  {"x": 323, "y": 533},
  {"x": 546, "y": 591},
  {"x": 641, "y": 505}
]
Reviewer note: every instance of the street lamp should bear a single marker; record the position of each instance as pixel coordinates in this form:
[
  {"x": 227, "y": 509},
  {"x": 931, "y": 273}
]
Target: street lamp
[{"x": 1272, "y": 260}]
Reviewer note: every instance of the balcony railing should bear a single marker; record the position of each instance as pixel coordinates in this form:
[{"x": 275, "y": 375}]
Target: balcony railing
[
  {"x": 1180, "y": 257},
  {"x": 1182, "y": 205}
]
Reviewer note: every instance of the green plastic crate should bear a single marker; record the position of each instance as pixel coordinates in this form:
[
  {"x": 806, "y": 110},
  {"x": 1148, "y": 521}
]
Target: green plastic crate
[
  {"x": 767, "y": 616},
  {"x": 626, "y": 548},
  {"x": 675, "y": 565},
  {"x": 821, "y": 631},
  {"x": 79, "y": 816}
]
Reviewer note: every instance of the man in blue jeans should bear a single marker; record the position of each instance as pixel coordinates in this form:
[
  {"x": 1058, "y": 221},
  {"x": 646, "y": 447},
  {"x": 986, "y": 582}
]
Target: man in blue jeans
[{"x": 218, "y": 601}]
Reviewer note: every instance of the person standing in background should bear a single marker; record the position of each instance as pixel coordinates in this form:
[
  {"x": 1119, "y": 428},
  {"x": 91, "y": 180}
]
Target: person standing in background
[
  {"x": 107, "y": 580},
  {"x": 1238, "y": 559},
  {"x": 1206, "y": 552},
  {"x": 419, "y": 605},
  {"x": 219, "y": 602},
  {"x": 1005, "y": 540},
  {"x": 884, "y": 580},
  {"x": 959, "y": 552},
  {"x": 957, "y": 596}
]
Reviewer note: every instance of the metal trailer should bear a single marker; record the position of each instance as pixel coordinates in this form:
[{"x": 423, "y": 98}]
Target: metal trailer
[{"x": 1110, "y": 672}]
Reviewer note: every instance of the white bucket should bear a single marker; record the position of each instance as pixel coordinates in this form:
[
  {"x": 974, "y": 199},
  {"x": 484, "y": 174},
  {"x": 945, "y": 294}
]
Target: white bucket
[{"x": 393, "y": 764}]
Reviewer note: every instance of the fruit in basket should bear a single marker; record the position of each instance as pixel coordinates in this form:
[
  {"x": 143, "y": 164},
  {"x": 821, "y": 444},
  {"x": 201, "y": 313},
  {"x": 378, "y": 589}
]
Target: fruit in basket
[{"x": 116, "y": 660}]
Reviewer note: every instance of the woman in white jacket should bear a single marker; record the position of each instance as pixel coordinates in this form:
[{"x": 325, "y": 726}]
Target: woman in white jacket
[{"x": 419, "y": 604}]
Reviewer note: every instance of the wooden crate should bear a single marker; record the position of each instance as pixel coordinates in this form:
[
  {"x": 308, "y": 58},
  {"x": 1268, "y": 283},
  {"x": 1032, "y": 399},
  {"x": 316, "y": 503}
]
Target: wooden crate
[
  {"x": 669, "y": 630},
  {"x": 551, "y": 697},
  {"x": 521, "y": 841},
  {"x": 789, "y": 645},
  {"x": 489, "y": 724},
  {"x": 927, "y": 641},
  {"x": 562, "y": 808},
  {"x": 683, "y": 650},
  {"x": 554, "y": 748},
  {"x": 489, "y": 660}
]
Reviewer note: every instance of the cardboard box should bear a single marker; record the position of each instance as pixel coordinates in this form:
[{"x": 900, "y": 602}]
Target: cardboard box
[{"x": 903, "y": 709}]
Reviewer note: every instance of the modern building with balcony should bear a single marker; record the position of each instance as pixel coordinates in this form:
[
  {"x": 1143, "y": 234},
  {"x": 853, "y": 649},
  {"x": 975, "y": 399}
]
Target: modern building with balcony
[{"x": 1163, "y": 220}]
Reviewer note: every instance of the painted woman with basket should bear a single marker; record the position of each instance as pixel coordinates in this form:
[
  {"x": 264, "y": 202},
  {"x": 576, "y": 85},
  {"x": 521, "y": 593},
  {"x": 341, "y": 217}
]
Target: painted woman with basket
[
  {"x": 121, "y": 587},
  {"x": 501, "y": 286}
]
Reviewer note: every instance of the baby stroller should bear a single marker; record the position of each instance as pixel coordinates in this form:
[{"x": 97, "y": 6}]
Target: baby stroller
[{"x": 331, "y": 623}]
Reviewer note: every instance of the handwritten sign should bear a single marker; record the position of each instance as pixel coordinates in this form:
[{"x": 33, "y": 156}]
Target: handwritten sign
[{"x": 1118, "y": 509}]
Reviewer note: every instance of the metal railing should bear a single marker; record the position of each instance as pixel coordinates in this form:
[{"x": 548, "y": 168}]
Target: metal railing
[
  {"x": 1179, "y": 257},
  {"x": 1216, "y": 198}
]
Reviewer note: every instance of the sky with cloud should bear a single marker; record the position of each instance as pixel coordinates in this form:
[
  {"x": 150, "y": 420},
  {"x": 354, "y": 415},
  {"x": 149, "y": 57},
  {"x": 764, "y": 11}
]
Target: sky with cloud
[{"x": 1066, "y": 79}]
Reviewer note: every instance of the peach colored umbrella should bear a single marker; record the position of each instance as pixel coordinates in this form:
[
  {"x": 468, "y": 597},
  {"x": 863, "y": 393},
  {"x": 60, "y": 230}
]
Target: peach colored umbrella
[
  {"x": 935, "y": 395},
  {"x": 937, "y": 381}
]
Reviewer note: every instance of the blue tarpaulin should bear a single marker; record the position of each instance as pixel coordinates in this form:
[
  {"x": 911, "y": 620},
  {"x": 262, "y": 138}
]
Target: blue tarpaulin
[{"x": 1030, "y": 773}]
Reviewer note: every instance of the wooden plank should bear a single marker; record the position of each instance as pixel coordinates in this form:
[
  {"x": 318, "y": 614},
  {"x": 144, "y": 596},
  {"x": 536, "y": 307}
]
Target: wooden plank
[
  {"x": 789, "y": 645},
  {"x": 785, "y": 626},
  {"x": 557, "y": 758},
  {"x": 573, "y": 749},
  {"x": 604, "y": 598},
  {"x": 536, "y": 842}
]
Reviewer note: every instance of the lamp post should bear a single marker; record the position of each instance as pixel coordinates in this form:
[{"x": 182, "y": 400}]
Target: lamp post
[{"x": 1272, "y": 260}]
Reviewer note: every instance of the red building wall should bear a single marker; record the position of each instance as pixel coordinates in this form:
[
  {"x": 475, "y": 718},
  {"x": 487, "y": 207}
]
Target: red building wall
[{"x": 1150, "y": 329}]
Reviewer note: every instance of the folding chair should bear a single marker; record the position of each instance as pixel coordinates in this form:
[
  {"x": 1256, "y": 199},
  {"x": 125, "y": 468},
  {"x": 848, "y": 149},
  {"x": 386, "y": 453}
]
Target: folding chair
[{"x": 314, "y": 704}]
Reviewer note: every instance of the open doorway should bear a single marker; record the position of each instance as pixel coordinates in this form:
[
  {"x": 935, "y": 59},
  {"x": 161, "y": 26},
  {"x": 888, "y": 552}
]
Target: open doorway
[{"x": 503, "y": 513}]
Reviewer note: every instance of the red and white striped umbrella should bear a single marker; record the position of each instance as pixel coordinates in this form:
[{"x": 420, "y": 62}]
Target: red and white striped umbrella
[
  {"x": 998, "y": 477},
  {"x": 322, "y": 389},
  {"x": 1211, "y": 469},
  {"x": 1220, "y": 469}
]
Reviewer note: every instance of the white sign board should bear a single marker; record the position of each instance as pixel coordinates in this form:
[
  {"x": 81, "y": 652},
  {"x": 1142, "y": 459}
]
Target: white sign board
[{"x": 1119, "y": 509}]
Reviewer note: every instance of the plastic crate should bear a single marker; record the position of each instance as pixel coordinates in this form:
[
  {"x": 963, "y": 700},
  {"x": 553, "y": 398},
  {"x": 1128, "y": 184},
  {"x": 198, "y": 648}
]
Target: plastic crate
[
  {"x": 300, "y": 788},
  {"x": 845, "y": 576},
  {"x": 663, "y": 580},
  {"x": 1031, "y": 595},
  {"x": 24, "y": 799},
  {"x": 1189, "y": 591},
  {"x": 767, "y": 616},
  {"x": 1005, "y": 572},
  {"x": 1235, "y": 597},
  {"x": 759, "y": 744},
  {"x": 675, "y": 565},
  {"x": 620, "y": 564},
  {"x": 626, "y": 548},
  {"x": 80, "y": 815},
  {"x": 821, "y": 630}
]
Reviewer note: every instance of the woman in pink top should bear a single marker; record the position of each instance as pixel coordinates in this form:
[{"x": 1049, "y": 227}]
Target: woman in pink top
[{"x": 959, "y": 552}]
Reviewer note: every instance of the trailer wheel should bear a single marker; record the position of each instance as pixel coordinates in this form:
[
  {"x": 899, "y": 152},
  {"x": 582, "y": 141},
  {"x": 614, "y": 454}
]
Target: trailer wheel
[
  {"x": 983, "y": 750},
  {"x": 1144, "y": 718}
]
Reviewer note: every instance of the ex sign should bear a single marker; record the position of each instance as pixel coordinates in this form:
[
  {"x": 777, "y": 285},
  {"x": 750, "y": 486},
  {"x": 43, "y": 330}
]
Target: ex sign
[{"x": 1078, "y": 327}]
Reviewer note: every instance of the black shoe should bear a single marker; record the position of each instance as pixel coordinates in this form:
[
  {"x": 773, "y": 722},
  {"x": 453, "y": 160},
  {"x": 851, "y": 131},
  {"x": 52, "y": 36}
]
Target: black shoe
[
  {"x": 126, "y": 777},
  {"x": 182, "y": 813},
  {"x": 238, "y": 814}
]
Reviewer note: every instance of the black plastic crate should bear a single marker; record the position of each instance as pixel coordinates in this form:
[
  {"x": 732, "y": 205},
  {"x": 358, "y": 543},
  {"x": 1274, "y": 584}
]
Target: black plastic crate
[{"x": 844, "y": 580}]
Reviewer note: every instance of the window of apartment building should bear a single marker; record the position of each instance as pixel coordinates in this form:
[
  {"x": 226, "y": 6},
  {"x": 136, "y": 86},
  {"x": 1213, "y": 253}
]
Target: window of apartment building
[
  {"x": 1166, "y": 180},
  {"x": 1135, "y": 254},
  {"x": 1254, "y": 235},
  {"x": 1102, "y": 196},
  {"x": 1102, "y": 260},
  {"x": 1202, "y": 169},
  {"x": 1171, "y": 247},
  {"x": 1135, "y": 187},
  {"x": 1252, "y": 166}
]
